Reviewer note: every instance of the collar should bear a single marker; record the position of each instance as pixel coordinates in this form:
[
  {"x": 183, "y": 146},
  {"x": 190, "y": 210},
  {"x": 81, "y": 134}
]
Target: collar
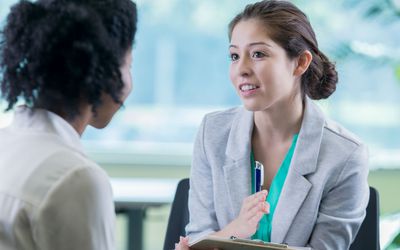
[
  {"x": 309, "y": 139},
  {"x": 44, "y": 121}
]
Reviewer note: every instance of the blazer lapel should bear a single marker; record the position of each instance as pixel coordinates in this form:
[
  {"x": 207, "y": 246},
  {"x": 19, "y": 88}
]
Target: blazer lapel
[
  {"x": 237, "y": 164},
  {"x": 304, "y": 161}
]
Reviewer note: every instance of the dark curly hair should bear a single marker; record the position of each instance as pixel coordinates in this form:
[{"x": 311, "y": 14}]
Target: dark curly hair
[
  {"x": 289, "y": 27},
  {"x": 58, "y": 54}
]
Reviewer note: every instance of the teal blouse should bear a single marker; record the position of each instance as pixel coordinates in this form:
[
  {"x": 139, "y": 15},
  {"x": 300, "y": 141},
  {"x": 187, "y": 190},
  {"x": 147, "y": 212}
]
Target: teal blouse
[{"x": 265, "y": 226}]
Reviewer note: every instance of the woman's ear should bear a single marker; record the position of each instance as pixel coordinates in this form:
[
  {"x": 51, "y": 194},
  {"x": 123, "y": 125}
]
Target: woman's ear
[{"x": 303, "y": 61}]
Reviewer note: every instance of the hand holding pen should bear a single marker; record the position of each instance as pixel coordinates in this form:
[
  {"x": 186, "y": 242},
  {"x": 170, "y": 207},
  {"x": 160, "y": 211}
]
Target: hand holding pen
[{"x": 246, "y": 224}]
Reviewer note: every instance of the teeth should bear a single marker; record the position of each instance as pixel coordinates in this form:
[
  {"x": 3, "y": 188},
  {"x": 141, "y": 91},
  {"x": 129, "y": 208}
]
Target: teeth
[{"x": 247, "y": 87}]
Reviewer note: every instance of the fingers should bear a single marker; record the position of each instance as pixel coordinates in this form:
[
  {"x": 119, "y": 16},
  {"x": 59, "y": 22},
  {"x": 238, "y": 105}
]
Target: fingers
[
  {"x": 266, "y": 207},
  {"x": 258, "y": 214},
  {"x": 183, "y": 243},
  {"x": 261, "y": 209},
  {"x": 259, "y": 195},
  {"x": 253, "y": 209},
  {"x": 184, "y": 240},
  {"x": 254, "y": 221},
  {"x": 180, "y": 246},
  {"x": 253, "y": 200}
]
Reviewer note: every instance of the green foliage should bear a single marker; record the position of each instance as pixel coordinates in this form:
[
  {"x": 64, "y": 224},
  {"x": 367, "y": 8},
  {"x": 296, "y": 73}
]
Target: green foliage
[
  {"x": 397, "y": 72},
  {"x": 395, "y": 244}
]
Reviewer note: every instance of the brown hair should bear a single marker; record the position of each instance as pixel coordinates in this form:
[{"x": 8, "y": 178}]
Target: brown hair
[{"x": 289, "y": 27}]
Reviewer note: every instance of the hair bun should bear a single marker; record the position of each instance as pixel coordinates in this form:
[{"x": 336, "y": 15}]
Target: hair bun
[
  {"x": 329, "y": 79},
  {"x": 321, "y": 78}
]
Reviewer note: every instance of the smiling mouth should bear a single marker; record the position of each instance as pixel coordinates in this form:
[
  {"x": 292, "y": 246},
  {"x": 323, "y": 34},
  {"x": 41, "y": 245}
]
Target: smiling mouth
[{"x": 247, "y": 87}]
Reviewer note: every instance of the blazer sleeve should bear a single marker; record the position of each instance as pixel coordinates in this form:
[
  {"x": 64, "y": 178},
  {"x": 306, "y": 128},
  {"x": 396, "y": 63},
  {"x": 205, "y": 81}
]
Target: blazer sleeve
[
  {"x": 202, "y": 218},
  {"x": 78, "y": 213},
  {"x": 343, "y": 207}
]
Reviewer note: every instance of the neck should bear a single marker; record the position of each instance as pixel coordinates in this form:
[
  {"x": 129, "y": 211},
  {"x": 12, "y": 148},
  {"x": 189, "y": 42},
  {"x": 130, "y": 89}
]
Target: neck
[
  {"x": 281, "y": 120},
  {"x": 80, "y": 122}
]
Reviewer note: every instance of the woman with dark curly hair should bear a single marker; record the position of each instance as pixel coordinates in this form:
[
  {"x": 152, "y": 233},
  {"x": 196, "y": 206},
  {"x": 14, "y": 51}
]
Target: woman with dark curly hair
[
  {"x": 69, "y": 62},
  {"x": 314, "y": 189}
]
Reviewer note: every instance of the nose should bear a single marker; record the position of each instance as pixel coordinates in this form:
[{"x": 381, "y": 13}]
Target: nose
[{"x": 244, "y": 67}]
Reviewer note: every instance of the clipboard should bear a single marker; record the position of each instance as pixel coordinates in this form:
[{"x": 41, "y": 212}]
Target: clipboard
[{"x": 233, "y": 243}]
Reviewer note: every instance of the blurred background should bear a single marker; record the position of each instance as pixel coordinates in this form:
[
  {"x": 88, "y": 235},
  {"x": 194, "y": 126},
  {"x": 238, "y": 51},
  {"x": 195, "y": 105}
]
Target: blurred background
[{"x": 180, "y": 72}]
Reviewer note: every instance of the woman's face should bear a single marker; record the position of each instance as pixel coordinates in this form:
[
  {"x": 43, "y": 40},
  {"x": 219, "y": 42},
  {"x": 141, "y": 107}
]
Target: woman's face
[
  {"x": 108, "y": 108},
  {"x": 261, "y": 72}
]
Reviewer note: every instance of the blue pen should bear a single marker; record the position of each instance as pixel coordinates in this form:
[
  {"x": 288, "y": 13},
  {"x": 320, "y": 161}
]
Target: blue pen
[{"x": 259, "y": 176}]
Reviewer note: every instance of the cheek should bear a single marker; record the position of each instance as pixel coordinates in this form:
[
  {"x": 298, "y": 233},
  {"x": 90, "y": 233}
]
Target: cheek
[
  {"x": 232, "y": 74},
  {"x": 270, "y": 73},
  {"x": 127, "y": 80}
]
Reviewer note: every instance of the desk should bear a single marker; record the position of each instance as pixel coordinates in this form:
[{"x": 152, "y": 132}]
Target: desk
[{"x": 132, "y": 196}]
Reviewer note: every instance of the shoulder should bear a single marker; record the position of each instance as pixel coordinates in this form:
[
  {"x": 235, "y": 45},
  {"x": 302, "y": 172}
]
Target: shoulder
[
  {"x": 354, "y": 151},
  {"x": 83, "y": 188},
  {"x": 342, "y": 154},
  {"x": 341, "y": 140},
  {"x": 337, "y": 131},
  {"x": 82, "y": 181},
  {"x": 79, "y": 207},
  {"x": 224, "y": 116},
  {"x": 333, "y": 133},
  {"x": 67, "y": 163},
  {"x": 78, "y": 170},
  {"x": 337, "y": 149},
  {"x": 216, "y": 127},
  {"x": 334, "y": 137},
  {"x": 333, "y": 155},
  {"x": 222, "y": 120},
  {"x": 45, "y": 164},
  {"x": 70, "y": 175}
]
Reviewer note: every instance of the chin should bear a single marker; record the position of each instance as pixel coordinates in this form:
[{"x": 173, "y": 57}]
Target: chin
[
  {"x": 250, "y": 108},
  {"x": 100, "y": 124},
  {"x": 253, "y": 107},
  {"x": 258, "y": 105}
]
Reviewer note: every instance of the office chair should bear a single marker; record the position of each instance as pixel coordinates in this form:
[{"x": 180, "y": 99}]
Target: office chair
[
  {"x": 179, "y": 215},
  {"x": 368, "y": 236}
]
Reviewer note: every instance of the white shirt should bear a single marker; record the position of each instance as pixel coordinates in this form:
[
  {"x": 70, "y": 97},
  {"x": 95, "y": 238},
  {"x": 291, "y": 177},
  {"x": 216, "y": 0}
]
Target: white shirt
[{"x": 52, "y": 197}]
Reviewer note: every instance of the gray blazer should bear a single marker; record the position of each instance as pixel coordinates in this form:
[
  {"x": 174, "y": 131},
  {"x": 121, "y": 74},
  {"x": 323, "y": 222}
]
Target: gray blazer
[{"x": 323, "y": 200}]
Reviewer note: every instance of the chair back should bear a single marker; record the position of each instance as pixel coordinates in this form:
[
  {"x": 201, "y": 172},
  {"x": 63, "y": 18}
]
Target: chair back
[
  {"x": 367, "y": 237},
  {"x": 179, "y": 215}
]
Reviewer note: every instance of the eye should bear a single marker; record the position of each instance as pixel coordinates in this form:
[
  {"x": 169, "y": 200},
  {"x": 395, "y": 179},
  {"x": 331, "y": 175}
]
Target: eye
[
  {"x": 258, "y": 54},
  {"x": 234, "y": 57}
]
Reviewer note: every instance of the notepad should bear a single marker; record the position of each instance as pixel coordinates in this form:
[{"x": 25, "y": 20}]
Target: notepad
[{"x": 211, "y": 242}]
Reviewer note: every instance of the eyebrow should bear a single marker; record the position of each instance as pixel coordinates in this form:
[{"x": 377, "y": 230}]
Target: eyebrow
[{"x": 252, "y": 44}]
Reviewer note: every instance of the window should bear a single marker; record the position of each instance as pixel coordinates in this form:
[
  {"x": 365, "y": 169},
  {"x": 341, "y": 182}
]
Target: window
[{"x": 180, "y": 72}]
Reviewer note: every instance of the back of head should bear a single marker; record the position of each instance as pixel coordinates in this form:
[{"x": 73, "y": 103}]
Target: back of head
[
  {"x": 289, "y": 27},
  {"x": 58, "y": 54}
]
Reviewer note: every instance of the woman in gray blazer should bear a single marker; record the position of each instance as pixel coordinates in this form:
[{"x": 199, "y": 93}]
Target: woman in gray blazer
[{"x": 315, "y": 172}]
